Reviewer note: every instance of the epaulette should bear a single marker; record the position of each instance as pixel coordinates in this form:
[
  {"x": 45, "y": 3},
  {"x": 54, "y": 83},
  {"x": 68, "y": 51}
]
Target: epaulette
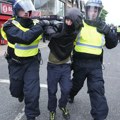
[{"x": 7, "y": 23}]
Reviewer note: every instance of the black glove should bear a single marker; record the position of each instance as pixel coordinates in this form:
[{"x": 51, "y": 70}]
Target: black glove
[
  {"x": 56, "y": 25},
  {"x": 44, "y": 23},
  {"x": 102, "y": 27},
  {"x": 50, "y": 30},
  {"x": 78, "y": 23}
]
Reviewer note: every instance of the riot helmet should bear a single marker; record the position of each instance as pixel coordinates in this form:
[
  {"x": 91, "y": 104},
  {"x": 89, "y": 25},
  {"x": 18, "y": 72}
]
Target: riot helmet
[
  {"x": 93, "y": 9},
  {"x": 25, "y": 5}
]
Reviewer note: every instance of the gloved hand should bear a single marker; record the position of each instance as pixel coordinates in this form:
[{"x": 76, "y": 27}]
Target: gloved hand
[
  {"x": 52, "y": 23},
  {"x": 49, "y": 30},
  {"x": 44, "y": 23},
  {"x": 102, "y": 27},
  {"x": 79, "y": 23}
]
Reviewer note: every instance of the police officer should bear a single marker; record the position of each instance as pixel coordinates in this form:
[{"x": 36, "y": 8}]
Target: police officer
[
  {"x": 118, "y": 33},
  {"x": 58, "y": 68},
  {"x": 23, "y": 56},
  {"x": 87, "y": 58}
]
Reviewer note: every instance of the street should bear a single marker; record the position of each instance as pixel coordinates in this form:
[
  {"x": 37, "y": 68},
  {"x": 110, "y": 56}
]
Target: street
[{"x": 11, "y": 109}]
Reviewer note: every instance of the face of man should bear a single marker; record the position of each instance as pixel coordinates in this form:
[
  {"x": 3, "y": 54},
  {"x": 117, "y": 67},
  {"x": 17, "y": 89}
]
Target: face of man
[
  {"x": 92, "y": 13},
  {"x": 68, "y": 22},
  {"x": 23, "y": 14}
]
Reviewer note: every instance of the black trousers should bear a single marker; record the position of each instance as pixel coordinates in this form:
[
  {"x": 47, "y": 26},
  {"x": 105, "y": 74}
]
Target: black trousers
[
  {"x": 92, "y": 71},
  {"x": 58, "y": 74},
  {"x": 24, "y": 80}
]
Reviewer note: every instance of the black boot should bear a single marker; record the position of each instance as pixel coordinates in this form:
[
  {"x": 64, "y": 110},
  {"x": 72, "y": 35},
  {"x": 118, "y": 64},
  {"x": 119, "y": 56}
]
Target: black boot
[
  {"x": 20, "y": 99},
  {"x": 99, "y": 119},
  {"x": 31, "y": 118},
  {"x": 52, "y": 116},
  {"x": 65, "y": 114}
]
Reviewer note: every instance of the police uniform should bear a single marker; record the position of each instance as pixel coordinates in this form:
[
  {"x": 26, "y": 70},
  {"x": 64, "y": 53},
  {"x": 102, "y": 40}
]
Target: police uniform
[
  {"x": 118, "y": 33},
  {"x": 23, "y": 62},
  {"x": 87, "y": 64},
  {"x": 87, "y": 58}
]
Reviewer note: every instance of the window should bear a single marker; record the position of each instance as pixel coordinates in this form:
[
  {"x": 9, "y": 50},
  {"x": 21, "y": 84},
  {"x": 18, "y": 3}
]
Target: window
[{"x": 50, "y": 7}]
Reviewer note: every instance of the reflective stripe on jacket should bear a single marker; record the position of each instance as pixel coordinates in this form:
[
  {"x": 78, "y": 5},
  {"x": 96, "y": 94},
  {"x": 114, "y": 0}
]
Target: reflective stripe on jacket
[
  {"x": 22, "y": 50},
  {"x": 89, "y": 41}
]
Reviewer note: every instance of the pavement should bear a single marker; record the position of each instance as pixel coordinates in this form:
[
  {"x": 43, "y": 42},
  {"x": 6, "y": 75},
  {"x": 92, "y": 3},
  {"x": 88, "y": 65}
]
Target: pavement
[
  {"x": 11, "y": 109},
  {"x": 2, "y": 49}
]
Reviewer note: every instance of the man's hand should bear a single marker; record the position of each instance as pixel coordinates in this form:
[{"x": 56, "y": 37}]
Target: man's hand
[
  {"x": 102, "y": 27},
  {"x": 44, "y": 23},
  {"x": 79, "y": 22}
]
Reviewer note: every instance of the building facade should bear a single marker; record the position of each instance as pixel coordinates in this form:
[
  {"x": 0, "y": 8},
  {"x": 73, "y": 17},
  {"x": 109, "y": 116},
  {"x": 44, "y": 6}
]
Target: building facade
[
  {"x": 57, "y": 7},
  {"x": 5, "y": 14},
  {"x": 50, "y": 7}
]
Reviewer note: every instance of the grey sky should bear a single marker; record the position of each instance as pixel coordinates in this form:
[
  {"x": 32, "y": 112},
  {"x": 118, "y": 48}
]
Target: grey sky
[{"x": 113, "y": 7}]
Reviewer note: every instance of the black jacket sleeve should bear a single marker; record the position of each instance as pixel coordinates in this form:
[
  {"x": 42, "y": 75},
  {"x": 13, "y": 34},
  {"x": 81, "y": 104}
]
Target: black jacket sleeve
[
  {"x": 15, "y": 35},
  {"x": 111, "y": 40},
  {"x": 59, "y": 27}
]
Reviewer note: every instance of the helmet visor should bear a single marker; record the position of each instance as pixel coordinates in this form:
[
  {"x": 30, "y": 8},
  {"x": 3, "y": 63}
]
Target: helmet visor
[
  {"x": 92, "y": 13},
  {"x": 26, "y": 5}
]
